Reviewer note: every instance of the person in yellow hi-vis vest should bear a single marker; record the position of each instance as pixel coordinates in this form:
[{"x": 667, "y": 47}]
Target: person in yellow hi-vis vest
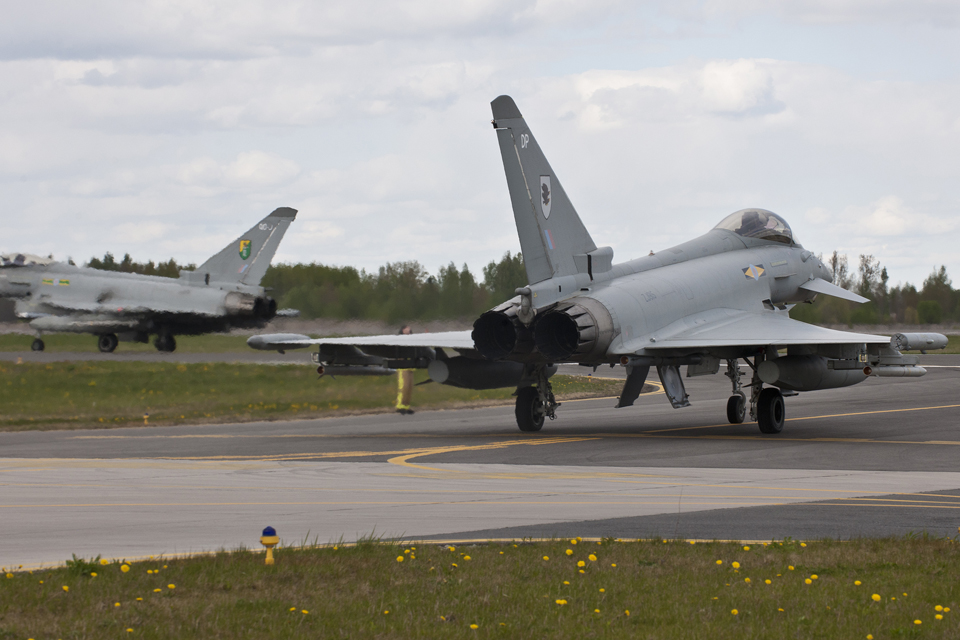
[{"x": 404, "y": 383}]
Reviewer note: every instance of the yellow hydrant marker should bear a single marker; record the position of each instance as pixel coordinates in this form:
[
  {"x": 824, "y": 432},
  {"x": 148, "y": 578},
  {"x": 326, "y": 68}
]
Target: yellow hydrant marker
[{"x": 269, "y": 539}]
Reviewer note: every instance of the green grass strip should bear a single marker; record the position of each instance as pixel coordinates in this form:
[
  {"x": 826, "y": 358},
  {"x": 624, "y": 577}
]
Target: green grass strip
[
  {"x": 903, "y": 587},
  {"x": 102, "y": 394}
]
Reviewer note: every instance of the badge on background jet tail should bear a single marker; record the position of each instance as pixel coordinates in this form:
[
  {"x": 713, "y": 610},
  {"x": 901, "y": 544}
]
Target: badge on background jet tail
[
  {"x": 244, "y": 249},
  {"x": 546, "y": 196}
]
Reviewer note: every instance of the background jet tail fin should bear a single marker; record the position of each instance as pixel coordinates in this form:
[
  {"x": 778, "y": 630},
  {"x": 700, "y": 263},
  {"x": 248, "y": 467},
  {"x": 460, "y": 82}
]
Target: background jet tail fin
[
  {"x": 551, "y": 233},
  {"x": 246, "y": 259}
]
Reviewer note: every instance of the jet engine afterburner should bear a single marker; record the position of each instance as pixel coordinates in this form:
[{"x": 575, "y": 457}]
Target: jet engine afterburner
[
  {"x": 498, "y": 333},
  {"x": 578, "y": 329}
]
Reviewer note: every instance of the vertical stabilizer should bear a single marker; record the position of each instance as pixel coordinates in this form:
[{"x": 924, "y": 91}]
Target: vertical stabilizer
[
  {"x": 246, "y": 259},
  {"x": 550, "y": 230}
]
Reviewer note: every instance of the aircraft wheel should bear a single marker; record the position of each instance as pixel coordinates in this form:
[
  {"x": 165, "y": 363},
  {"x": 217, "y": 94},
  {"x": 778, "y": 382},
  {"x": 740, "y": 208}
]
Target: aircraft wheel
[
  {"x": 37, "y": 345},
  {"x": 107, "y": 342},
  {"x": 736, "y": 409},
  {"x": 165, "y": 342},
  {"x": 770, "y": 411},
  {"x": 529, "y": 410}
]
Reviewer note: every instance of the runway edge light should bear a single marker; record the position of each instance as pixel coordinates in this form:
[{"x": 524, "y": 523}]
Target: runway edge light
[{"x": 269, "y": 539}]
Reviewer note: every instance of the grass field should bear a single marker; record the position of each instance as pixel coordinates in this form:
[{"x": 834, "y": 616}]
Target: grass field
[
  {"x": 100, "y": 394},
  {"x": 558, "y": 589}
]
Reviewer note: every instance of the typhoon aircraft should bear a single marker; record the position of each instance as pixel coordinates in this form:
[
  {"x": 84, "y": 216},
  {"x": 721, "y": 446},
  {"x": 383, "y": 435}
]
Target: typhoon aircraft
[
  {"x": 223, "y": 292},
  {"x": 722, "y": 297}
]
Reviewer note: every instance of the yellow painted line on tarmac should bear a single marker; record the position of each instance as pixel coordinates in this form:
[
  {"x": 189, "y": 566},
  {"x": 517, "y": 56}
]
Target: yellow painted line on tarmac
[{"x": 404, "y": 460}]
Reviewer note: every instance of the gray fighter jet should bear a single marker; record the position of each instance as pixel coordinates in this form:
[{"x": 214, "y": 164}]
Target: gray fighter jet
[
  {"x": 718, "y": 299},
  {"x": 223, "y": 292}
]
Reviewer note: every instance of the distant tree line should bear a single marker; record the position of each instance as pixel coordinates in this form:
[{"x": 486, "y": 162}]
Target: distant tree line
[
  {"x": 169, "y": 269},
  {"x": 397, "y": 291},
  {"x": 934, "y": 303},
  {"x": 401, "y": 291}
]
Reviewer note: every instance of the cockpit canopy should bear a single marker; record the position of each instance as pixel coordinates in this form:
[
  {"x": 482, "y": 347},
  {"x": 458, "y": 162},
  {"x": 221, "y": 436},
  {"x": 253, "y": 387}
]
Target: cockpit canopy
[
  {"x": 23, "y": 260},
  {"x": 758, "y": 223}
]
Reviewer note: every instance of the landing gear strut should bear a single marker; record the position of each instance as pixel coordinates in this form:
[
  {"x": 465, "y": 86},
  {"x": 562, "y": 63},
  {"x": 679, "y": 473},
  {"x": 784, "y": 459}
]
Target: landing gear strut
[
  {"x": 737, "y": 403},
  {"x": 107, "y": 342},
  {"x": 766, "y": 405},
  {"x": 536, "y": 403}
]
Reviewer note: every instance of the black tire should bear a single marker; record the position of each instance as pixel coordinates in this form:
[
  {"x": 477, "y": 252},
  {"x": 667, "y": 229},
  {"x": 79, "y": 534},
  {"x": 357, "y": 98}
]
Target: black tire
[
  {"x": 165, "y": 342},
  {"x": 771, "y": 411},
  {"x": 736, "y": 409},
  {"x": 107, "y": 342},
  {"x": 529, "y": 410},
  {"x": 37, "y": 345}
]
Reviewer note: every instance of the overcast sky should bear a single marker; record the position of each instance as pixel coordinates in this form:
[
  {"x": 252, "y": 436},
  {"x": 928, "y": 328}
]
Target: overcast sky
[{"x": 166, "y": 128}]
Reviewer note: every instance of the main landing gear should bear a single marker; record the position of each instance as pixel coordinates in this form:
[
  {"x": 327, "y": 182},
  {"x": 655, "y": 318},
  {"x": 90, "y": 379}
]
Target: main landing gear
[
  {"x": 534, "y": 404},
  {"x": 766, "y": 405},
  {"x": 37, "y": 345},
  {"x": 108, "y": 342},
  {"x": 165, "y": 342}
]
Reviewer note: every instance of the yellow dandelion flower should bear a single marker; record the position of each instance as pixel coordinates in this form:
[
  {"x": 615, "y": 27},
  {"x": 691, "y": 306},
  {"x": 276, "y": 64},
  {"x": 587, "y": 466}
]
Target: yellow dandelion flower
[
  {"x": 598, "y": 611},
  {"x": 814, "y": 577},
  {"x": 747, "y": 580},
  {"x": 104, "y": 562},
  {"x": 938, "y": 608},
  {"x": 566, "y": 582},
  {"x": 474, "y": 626},
  {"x": 582, "y": 571},
  {"x": 876, "y": 597},
  {"x": 546, "y": 557},
  {"x": 946, "y": 609},
  {"x": 124, "y": 568},
  {"x": 693, "y": 542},
  {"x": 581, "y": 563},
  {"x": 614, "y": 565},
  {"x": 406, "y": 551},
  {"x": 592, "y": 558},
  {"x": 454, "y": 564},
  {"x": 746, "y": 548},
  {"x": 116, "y": 604},
  {"x": 779, "y": 609},
  {"x": 66, "y": 588},
  {"x": 939, "y": 616},
  {"x": 466, "y": 557},
  {"x": 803, "y": 544},
  {"x": 767, "y": 581},
  {"x": 569, "y": 552},
  {"x": 579, "y": 539},
  {"x": 719, "y": 562},
  {"x": 904, "y": 594},
  {"x": 399, "y": 558},
  {"x": 603, "y": 590},
  {"x": 93, "y": 574},
  {"x": 918, "y": 622},
  {"x": 734, "y": 611},
  {"x": 857, "y": 583},
  {"x": 304, "y": 612},
  {"x": 808, "y": 581},
  {"x": 129, "y": 630},
  {"x": 869, "y": 636},
  {"x": 164, "y": 566},
  {"x": 139, "y": 599},
  {"x": 9, "y": 576},
  {"x": 790, "y": 567},
  {"x": 171, "y": 586},
  {"x": 561, "y": 602},
  {"x": 501, "y": 553},
  {"x": 573, "y": 541},
  {"x": 293, "y": 608},
  {"x": 387, "y": 612},
  {"x": 157, "y": 590},
  {"x": 626, "y": 612},
  {"x": 735, "y": 565}
]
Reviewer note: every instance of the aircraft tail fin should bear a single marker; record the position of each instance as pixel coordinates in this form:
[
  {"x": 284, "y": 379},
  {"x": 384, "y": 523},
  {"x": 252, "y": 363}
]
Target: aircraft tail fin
[
  {"x": 246, "y": 259},
  {"x": 552, "y": 237}
]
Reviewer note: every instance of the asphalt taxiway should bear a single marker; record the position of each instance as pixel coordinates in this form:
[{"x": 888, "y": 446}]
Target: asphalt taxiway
[{"x": 879, "y": 458}]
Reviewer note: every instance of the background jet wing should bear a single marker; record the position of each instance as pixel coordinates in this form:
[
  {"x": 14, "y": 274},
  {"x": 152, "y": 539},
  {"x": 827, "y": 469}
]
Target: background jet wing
[
  {"x": 459, "y": 340},
  {"x": 735, "y": 328}
]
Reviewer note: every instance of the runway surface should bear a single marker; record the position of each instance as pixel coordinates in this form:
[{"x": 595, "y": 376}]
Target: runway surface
[{"x": 876, "y": 459}]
